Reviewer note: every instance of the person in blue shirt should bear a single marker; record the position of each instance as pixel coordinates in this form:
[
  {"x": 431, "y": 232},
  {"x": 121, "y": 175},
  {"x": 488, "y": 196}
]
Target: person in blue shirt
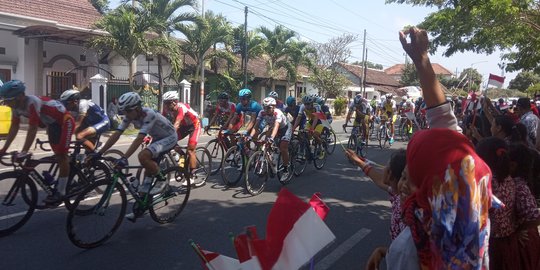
[
  {"x": 293, "y": 109},
  {"x": 90, "y": 119},
  {"x": 245, "y": 107}
]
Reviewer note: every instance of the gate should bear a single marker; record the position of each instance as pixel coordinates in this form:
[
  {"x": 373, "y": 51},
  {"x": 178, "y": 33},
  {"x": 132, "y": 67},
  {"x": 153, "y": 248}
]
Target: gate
[{"x": 58, "y": 82}]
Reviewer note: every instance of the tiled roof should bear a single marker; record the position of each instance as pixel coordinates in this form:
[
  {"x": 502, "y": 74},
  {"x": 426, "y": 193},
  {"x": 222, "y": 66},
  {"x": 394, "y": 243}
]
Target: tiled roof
[
  {"x": 77, "y": 13},
  {"x": 396, "y": 69},
  {"x": 373, "y": 77}
]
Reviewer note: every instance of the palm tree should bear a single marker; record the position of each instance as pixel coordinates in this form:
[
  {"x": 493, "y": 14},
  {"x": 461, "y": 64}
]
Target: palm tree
[
  {"x": 163, "y": 17},
  {"x": 125, "y": 34},
  {"x": 298, "y": 55},
  {"x": 277, "y": 46},
  {"x": 200, "y": 38}
]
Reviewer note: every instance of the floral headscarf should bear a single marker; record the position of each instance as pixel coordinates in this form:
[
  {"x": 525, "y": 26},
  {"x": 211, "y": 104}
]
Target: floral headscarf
[{"x": 448, "y": 214}]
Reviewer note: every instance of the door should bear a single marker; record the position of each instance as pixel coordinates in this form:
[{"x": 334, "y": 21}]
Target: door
[{"x": 5, "y": 75}]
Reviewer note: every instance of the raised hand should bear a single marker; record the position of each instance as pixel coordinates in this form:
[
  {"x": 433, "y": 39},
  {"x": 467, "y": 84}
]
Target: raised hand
[{"x": 418, "y": 47}]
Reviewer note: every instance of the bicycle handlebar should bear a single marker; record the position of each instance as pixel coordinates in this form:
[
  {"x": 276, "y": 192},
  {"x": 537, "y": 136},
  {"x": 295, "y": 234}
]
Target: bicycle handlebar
[{"x": 41, "y": 143}]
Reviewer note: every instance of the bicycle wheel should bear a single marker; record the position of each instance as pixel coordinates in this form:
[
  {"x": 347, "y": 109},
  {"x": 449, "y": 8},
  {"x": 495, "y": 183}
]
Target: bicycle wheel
[
  {"x": 80, "y": 179},
  {"x": 216, "y": 153},
  {"x": 200, "y": 174},
  {"x": 330, "y": 137},
  {"x": 96, "y": 217},
  {"x": 300, "y": 162},
  {"x": 256, "y": 173},
  {"x": 19, "y": 196},
  {"x": 232, "y": 168},
  {"x": 381, "y": 136},
  {"x": 167, "y": 205},
  {"x": 115, "y": 153},
  {"x": 319, "y": 156}
]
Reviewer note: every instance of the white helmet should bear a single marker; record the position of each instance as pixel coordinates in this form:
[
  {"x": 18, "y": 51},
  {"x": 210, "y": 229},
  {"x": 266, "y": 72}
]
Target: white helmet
[
  {"x": 70, "y": 95},
  {"x": 269, "y": 101},
  {"x": 128, "y": 101},
  {"x": 170, "y": 95},
  {"x": 358, "y": 99},
  {"x": 273, "y": 94}
]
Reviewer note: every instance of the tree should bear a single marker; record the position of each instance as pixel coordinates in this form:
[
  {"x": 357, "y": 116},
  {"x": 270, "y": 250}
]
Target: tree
[
  {"x": 102, "y": 6},
  {"x": 369, "y": 64},
  {"x": 298, "y": 56},
  {"x": 277, "y": 46},
  {"x": 409, "y": 76},
  {"x": 449, "y": 82},
  {"x": 484, "y": 26},
  {"x": 163, "y": 17},
  {"x": 336, "y": 50},
  {"x": 471, "y": 78},
  {"x": 524, "y": 80},
  {"x": 255, "y": 43},
  {"x": 125, "y": 36},
  {"x": 329, "y": 82}
]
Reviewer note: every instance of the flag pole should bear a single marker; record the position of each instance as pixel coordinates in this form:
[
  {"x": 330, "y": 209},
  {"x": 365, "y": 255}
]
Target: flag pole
[{"x": 200, "y": 253}]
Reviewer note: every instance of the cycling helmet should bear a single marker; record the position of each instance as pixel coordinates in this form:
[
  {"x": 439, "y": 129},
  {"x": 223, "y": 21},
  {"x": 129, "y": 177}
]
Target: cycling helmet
[
  {"x": 404, "y": 98},
  {"x": 244, "y": 93},
  {"x": 389, "y": 96},
  {"x": 291, "y": 101},
  {"x": 357, "y": 99},
  {"x": 70, "y": 95},
  {"x": 320, "y": 101},
  {"x": 273, "y": 94},
  {"x": 11, "y": 89},
  {"x": 269, "y": 101},
  {"x": 314, "y": 95},
  {"x": 128, "y": 101},
  {"x": 170, "y": 95},
  {"x": 308, "y": 99},
  {"x": 223, "y": 95}
]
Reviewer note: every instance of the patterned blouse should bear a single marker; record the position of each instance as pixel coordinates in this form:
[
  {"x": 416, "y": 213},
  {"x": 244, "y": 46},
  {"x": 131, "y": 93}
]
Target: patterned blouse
[
  {"x": 503, "y": 220},
  {"x": 396, "y": 222},
  {"x": 526, "y": 207}
]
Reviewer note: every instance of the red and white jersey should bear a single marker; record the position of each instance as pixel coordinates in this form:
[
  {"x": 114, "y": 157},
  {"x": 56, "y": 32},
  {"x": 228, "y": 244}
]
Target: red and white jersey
[
  {"x": 230, "y": 107},
  {"x": 184, "y": 113},
  {"x": 408, "y": 106},
  {"x": 41, "y": 111},
  {"x": 270, "y": 119}
]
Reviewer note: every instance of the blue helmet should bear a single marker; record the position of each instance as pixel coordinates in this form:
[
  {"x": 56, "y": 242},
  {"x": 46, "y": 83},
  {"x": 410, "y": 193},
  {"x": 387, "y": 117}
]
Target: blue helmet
[
  {"x": 320, "y": 101},
  {"x": 11, "y": 89},
  {"x": 244, "y": 93},
  {"x": 290, "y": 101}
]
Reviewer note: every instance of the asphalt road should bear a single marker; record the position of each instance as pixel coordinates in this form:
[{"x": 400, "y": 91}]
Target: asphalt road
[{"x": 359, "y": 217}]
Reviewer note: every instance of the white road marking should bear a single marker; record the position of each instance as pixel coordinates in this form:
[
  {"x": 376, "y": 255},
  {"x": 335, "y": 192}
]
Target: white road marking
[{"x": 335, "y": 255}]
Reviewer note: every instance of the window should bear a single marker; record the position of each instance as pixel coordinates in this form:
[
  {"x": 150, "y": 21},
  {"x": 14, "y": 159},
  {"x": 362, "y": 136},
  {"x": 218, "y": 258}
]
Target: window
[
  {"x": 5, "y": 75},
  {"x": 2, "y": 50}
]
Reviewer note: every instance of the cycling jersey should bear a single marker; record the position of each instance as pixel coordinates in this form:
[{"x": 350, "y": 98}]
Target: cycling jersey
[
  {"x": 407, "y": 106},
  {"x": 223, "y": 112},
  {"x": 252, "y": 108},
  {"x": 389, "y": 108},
  {"x": 309, "y": 112},
  {"x": 95, "y": 116},
  {"x": 270, "y": 119},
  {"x": 43, "y": 111},
  {"x": 183, "y": 112},
  {"x": 326, "y": 110},
  {"x": 152, "y": 123},
  {"x": 362, "y": 107}
]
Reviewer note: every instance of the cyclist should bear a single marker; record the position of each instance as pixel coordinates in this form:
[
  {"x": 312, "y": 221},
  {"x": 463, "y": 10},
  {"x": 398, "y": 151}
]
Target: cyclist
[
  {"x": 279, "y": 102},
  {"x": 149, "y": 122},
  {"x": 246, "y": 106},
  {"x": 185, "y": 121},
  {"x": 90, "y": 119},
  {"x": 41, "y": 112},
  {"x": 362, "y": 110},
  {"x": 408, "y": 109},
  {"x": 224, "y": 111},
  {"x": 308, "y": 109},
  {"x": 325, "y": 109},
  {"x": 293, "y": 109},
  {"x": 373, "y": 103},
  {"x": 388, "y": 108},
  {"x": 279, "y": 127}
]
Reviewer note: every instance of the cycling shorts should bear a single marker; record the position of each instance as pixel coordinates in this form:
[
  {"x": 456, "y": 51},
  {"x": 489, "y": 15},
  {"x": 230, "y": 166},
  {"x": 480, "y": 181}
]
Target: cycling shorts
[
  {"x": 358, "y": 119},
  {"x": 318, "y": 128},
  {"x": 285, "y": 133},
  {"x": 163, "y": 145},
  {"x": 194, "y": 131},
  {"x": 100, "y": 127},
  {"x": 60, "y": 134}
]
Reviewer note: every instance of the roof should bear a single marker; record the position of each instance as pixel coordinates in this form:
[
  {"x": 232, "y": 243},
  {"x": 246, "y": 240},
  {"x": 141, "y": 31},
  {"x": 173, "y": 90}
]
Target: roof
[
  {"x": 397, "y": 69},
  {"x": 74, "y": 13},
  {"x": 373, "y": 76},
  {"x": 257, "y": 67}
]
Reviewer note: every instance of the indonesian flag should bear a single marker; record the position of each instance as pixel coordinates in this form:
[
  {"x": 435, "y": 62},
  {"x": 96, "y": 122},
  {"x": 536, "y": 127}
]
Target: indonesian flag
[
  {"x": 295, "y": 233},
  {"x": 244, "y": 250},
  {"x": 216, "y": 261},
  {"x": 495, "y": 80}
]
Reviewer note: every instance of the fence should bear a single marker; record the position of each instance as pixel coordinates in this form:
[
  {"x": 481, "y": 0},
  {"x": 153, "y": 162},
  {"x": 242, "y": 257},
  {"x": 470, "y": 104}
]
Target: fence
[{"x": 149, "y": 93}]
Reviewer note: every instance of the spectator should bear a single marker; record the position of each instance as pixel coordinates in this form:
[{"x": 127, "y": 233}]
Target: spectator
[
  {"x": 527, "y": 118},
  {"x": 112, "y": 113}
]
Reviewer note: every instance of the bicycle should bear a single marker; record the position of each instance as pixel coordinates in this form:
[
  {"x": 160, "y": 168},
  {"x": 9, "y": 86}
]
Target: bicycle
[
  {"x": 22, "y": 181},
  {"x": 234, "y": 161},
  {"x": 163, "y": 207},
  {"x": 356, "y": 139},
  {"x": 329, "y": 136},
  {"x": 383, "y": 135},
  {"x": 261, "y": 165},
  {"x": 217, "y": 148},
  {"x": 304, "y": 153}
]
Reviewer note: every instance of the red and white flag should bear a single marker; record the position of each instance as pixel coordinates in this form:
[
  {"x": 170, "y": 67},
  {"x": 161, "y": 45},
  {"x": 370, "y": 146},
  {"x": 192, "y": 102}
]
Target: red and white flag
[
  {"x": 495, "y": 80},
  {"x": 244, "y": 249},
  {"x": 321, "y": 116},
  {"x": 295, "y": 233},
  {"x": 215, "y": 261}
]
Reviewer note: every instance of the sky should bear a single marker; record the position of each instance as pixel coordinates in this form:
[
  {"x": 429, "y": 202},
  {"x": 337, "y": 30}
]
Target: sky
[{"x": 321, "y": 20}]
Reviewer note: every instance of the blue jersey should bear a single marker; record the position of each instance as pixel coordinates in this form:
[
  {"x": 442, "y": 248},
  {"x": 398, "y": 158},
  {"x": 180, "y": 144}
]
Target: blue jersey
[
  {"x": 294, "y": 113},
  {"x": 253, "y": 108},
  {"x": 94, "y": 113}
]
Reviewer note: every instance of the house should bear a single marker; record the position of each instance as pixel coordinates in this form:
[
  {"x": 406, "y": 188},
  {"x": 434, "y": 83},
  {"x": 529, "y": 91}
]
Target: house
[
  {"x": 396, "y": 70},
  {"x": 41, "y": 43},
  {"x": 377, "y": 82}
]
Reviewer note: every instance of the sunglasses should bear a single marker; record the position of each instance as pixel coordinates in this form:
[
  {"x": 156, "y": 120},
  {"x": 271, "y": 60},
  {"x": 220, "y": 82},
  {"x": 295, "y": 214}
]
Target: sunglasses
[{"x": 268, "y": 107}]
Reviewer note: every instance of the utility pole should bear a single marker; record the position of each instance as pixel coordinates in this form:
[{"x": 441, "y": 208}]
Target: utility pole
[
  {"x": 134, "y": 63},
  {"x": 363, "y": 63},
  {"x": 202, "y": 73},
  {"x": 364, "y": 76},
  {"x": 245, "y": 47}
]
